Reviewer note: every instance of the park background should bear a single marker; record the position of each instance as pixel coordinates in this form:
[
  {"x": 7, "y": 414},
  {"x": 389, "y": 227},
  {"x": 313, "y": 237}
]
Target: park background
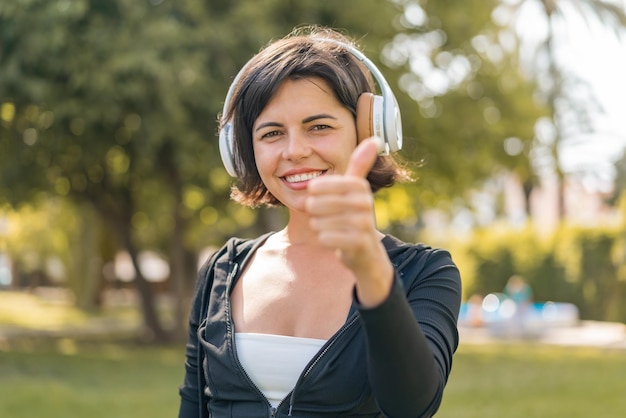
[{"x": 112, "y": 189}]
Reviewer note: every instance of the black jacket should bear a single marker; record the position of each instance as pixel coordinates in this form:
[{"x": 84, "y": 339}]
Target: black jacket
[{"x": 381, "y": 362}]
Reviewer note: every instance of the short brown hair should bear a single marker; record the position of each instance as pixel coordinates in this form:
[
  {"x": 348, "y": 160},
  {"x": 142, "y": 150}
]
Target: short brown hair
[{"x": 301, "y": 54}]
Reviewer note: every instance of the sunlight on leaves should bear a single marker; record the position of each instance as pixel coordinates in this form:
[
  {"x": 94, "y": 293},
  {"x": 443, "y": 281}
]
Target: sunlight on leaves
[
  {"x": 117, "y": 160},
  {"x": 7, "y": 112}
]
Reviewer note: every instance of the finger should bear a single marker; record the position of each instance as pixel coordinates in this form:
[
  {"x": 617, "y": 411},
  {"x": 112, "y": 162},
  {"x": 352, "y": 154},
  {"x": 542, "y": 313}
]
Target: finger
[
  {"x": 338, "y": 185},
  {"x": 343, "y": 225},
  {"x": 342, "y": 240},
  {"x": 363, "y": 158}
]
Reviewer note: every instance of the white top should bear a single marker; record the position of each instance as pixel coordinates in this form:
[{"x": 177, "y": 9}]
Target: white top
[{"x": 275, "y": 362}]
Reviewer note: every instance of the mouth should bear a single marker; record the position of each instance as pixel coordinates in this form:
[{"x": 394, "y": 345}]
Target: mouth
[{"x": 302, "y": 177}]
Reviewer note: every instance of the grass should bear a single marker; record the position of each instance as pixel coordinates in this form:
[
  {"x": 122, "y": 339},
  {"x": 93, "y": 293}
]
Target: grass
[
  {"x": 67, "y": 378},
  {"x": 524, "y": 380},
  {"x": 97, "y": 376},
  {"x": 61, "y": 378},
  {"x": 61, "y": 362},
  {"x": 51, "y": 313}
]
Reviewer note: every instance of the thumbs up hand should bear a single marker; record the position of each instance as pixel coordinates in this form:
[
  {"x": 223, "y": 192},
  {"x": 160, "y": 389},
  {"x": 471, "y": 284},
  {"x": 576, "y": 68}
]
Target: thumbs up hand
[
  {"x": 363, "y": 158},
  {"x": 341, "y": 210}
]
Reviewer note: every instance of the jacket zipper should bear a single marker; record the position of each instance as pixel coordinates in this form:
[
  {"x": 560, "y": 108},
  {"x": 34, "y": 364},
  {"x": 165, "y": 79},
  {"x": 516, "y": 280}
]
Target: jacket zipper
[
  {"x": 331, "y": 343},
  {"x": 271, "y": 410},
  {"x": 316, "y": 360},
  {"x": 229, "y": 321}
]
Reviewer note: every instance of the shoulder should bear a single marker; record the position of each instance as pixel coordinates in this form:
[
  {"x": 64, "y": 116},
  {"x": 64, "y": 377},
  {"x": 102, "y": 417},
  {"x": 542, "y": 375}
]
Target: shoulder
[
  {"x": 234, "y": 248},
  {"x": 418, "y": 261},
  {"x": 401, "y": 252}
]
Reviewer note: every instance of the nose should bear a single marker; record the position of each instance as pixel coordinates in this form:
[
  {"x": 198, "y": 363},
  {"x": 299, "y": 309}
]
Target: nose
[{"x": 297, "y": 147}]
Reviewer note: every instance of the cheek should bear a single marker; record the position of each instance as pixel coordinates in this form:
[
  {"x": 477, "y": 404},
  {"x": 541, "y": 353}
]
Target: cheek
[
  {"x": 263, "y": 161},
  {"x": 342, "y": 156}
]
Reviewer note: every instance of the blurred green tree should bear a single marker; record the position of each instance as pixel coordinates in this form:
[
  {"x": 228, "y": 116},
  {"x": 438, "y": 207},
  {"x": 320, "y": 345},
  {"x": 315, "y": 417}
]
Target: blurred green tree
[
  {"x": 114, "y": 103},
  {"x": 569, "y": 100},
  {"x": 469, "y": 111}
]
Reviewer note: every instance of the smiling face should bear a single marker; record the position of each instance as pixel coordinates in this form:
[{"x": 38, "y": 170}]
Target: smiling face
[{"x": 303, "y": 132}]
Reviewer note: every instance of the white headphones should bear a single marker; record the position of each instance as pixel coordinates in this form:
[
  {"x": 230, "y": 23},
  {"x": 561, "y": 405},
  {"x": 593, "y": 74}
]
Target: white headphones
[{"x": 376, "y": 115}]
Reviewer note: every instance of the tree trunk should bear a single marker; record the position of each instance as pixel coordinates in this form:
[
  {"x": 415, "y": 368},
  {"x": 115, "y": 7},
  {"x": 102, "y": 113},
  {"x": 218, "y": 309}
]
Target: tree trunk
[
  {"x": 151, "y": 319},
  {"x": 154, "y": 330},
  {"x": 178, "y": 271},
  {"x": 554, "y": 94},
  {"x": 528, "y": 187}
]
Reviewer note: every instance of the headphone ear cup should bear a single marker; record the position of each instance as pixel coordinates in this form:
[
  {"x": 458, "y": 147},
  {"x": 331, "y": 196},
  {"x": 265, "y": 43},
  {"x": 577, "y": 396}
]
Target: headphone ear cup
[
  {"x": 364, "y": 121},
  {"x": 393, "y": 125},
  {"x": 369, "y": 119},
  {"x": 226, "y": 143}
]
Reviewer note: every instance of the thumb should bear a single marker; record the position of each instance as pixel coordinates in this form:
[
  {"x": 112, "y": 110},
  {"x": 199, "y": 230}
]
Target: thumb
[{"x": 363, "y": 158}]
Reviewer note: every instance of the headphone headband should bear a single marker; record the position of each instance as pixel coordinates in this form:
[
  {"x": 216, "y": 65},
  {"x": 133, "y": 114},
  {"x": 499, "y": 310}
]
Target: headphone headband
[{"x": 384, "y": 112}]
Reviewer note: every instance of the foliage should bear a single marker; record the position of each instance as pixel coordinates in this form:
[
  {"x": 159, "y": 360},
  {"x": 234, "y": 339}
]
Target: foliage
[
  {"x": 472, "y": 112},
  {"x": 577, "y": 265},
  {"x": 570, "y": 102},
  {"x": 113, "y": 104},
  {"x": 49, "y": 244},
  {"x": 123, "y": 98}
]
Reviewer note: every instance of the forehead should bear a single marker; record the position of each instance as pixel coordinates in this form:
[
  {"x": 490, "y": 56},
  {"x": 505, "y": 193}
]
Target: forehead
[
  {"x": 315, "y": 86},
  {"x": 301, "y": 94}
]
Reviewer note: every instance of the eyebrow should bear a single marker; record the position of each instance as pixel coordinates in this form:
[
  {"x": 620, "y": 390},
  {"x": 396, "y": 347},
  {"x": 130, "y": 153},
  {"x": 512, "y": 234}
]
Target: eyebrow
[
  {"x": 267, "y": 124},
  {"x": 320, "y": 116},
  {"x": 305, "y": 120}
]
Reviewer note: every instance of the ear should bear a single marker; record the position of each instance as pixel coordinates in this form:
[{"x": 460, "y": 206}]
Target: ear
[{"x": 364, "y": 115}]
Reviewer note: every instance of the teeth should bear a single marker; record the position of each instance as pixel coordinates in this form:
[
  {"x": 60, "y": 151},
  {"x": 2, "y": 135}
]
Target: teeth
[{"x": 303, "y": 177}]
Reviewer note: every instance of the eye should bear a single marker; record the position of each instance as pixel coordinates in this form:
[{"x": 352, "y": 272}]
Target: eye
[
  {"x": 270, "y": 134},
  {"x": 320, "y": 127}
]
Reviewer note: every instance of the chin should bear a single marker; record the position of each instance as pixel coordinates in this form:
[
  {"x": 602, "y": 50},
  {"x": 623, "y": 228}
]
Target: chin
[{"x": 295, "y": 205}]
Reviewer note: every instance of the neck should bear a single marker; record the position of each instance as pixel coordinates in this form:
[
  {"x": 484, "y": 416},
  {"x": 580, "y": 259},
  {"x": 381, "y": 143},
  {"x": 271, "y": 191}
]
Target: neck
[{"x": 298, "y": 231}]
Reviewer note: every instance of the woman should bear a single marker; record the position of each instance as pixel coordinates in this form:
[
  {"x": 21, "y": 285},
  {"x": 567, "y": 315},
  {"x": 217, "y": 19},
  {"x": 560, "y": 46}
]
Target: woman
[{"x": 329, "y": 316}]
